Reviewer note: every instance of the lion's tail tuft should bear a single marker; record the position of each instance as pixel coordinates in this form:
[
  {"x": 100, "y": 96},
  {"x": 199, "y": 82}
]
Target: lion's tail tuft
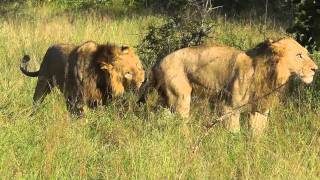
[
  {"x": 149, "y": 83},
  {"x": 26, "y": 58},
  {"x": 24, "y": 67}
]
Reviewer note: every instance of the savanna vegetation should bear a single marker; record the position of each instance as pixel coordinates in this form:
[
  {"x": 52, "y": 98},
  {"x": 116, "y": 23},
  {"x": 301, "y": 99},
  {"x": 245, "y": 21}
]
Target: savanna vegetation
[{"x": 125, "y": 140}]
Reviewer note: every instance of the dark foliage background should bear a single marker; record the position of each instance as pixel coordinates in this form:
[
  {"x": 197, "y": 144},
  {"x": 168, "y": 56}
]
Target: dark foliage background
[
  {"x": 235, "y": 7},
  {"x": 191, "y": 26},
  {"x": 306, "y": 28}
]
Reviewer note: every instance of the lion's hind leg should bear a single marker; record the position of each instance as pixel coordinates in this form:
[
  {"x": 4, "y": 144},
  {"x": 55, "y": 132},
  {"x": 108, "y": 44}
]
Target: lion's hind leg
[
  {"x": 178, "y": 93},
  {"x": 258, "y": 123},
  {"x": 232, "y": 119},
  {"x": 43, "y": 88}
]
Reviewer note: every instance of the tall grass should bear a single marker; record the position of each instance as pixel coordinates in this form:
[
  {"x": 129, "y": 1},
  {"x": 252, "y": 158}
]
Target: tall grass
[{"x": 124, "y": 140}]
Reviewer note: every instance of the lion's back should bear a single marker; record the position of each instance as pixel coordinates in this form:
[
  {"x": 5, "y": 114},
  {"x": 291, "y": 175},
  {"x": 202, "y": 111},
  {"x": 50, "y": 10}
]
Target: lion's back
[
  {"x": 192, "y": 56},
  {"x": 208, "y": 66},
  {"x": 55, "y": 61},
  {"x": 56, "y": 56}
]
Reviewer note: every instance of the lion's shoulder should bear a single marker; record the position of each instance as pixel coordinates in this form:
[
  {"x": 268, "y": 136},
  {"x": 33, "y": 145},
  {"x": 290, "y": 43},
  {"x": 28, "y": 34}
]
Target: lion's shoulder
[{"x": 87, "y": 47}]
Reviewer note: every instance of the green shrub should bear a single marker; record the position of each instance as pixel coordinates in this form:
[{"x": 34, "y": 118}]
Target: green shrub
[
  {"x": 306, "y": 28},
  {"x": 190, "y": 28},
  {"x": 163, "y": 5},
  {"x": 234, "y": 7},
  {"x": 174, "y": 34}
]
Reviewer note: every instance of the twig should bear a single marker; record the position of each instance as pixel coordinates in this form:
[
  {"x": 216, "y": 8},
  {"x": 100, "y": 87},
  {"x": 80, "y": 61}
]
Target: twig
[{"x": 265, "y": 20}]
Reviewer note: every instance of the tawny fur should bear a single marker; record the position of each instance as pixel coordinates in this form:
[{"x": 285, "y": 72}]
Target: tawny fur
[
  {"x": 237, "y": 77},
  {"x": 88, "y": 74}
]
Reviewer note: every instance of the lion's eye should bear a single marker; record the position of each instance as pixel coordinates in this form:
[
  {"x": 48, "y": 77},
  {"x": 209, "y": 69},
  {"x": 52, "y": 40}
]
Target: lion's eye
[
  {"x": 300, "y": 56},
  {"x": 128, "y": 75}
]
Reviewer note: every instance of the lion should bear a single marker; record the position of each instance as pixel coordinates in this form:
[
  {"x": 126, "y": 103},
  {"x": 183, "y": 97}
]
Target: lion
[
  {"x": 88, "y": 74},
  {"x": 231, "y": 77}
]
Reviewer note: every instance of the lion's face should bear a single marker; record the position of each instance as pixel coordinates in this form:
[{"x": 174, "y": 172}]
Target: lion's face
[
  {"x": 129, "y": 67},
  {"x": 125, "y": 67},
  {"x": 294, "y": 59}
]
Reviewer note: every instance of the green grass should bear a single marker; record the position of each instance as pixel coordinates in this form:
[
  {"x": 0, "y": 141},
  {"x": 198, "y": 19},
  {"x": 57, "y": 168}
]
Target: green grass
[{"x": 124, "y": 140}]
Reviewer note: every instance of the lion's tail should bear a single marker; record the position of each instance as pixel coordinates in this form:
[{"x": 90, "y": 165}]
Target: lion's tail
[
  {"x": 24, "y": 67},
  {"x": 150, "y": 83}
]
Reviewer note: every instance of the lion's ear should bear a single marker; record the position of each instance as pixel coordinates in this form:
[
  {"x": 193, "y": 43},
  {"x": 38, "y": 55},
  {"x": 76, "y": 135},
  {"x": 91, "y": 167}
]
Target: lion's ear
[
  {"x": 279, "y": 50},
  {"x": 125, "y": 49},
  {"x": 268, "y": 41}
]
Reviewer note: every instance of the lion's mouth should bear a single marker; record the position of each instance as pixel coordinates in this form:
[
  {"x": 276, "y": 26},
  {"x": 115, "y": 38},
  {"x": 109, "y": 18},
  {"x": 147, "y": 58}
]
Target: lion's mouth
[
  {"x": 131, "y": 85},
  {"x": 307, "y": 79}
]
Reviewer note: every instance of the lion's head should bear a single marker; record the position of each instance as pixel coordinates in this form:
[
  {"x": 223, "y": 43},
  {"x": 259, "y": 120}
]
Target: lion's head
[
  {"x": 294, "y": 59},
  {"x": 123, "y": 66},
  {"x": 287, "y": 57}
]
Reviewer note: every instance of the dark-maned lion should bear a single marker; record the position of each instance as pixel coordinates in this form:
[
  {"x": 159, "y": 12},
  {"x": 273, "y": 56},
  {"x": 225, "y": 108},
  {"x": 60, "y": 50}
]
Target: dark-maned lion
[
  {"x": 86, "y": 74},
  {"x": 236, "y": 76}
]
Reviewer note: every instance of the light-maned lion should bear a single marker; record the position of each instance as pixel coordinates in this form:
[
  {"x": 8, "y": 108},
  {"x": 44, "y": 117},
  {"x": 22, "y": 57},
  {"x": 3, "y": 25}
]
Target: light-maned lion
[
  {"x": 236, "y": 77},
  {"x": 87, "y": 74}
]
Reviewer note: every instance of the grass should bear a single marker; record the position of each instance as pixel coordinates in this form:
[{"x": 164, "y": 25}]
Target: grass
[{"x": 127, "y": 141}]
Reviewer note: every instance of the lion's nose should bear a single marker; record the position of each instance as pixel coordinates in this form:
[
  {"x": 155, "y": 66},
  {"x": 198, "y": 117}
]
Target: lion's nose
[{"x": 315, "y": 68}]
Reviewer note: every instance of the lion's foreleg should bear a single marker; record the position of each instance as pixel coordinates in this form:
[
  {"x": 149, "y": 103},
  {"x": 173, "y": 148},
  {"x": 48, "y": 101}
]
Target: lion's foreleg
[
  {"x": 75, "y": 105},
  {"x": 231, "y": 110},
  {"x": 116, "y": 85},
  {"x": 239, "y": 97},
  {"x": 258, "y": 123},
  {"x": 232, "y": 119}
]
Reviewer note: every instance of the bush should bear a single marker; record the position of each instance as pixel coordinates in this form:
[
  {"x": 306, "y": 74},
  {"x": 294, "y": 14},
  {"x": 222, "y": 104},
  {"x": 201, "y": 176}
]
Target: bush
[
  {"x": 174, "y": 34},
  {"x": 234, "y": 7},
  {"x": 163, "y": 5},
  {"x": 306, "y": 28}
]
